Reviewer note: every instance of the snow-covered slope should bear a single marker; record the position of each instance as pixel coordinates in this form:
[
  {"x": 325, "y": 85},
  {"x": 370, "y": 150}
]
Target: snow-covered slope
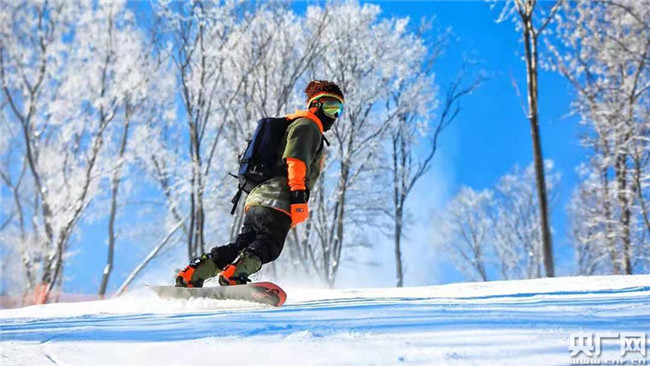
[{"x": 518, "y": 322}]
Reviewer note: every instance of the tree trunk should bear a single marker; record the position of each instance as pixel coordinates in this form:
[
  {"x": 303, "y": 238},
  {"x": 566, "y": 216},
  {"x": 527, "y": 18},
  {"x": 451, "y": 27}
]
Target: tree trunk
[
  {"x": 196, "y": 245},
  {"x": 478, "y": 257},
  {"x": 115, "y": 183},
  {"x": 398, "y": 202},
  {"x": 398, "y": 249},
  {"x": 334, "y": 257},
  {"x": 621, "y": 178},
  {"x": 530, "y": 42},
  {"x": 609, "y": 230}
]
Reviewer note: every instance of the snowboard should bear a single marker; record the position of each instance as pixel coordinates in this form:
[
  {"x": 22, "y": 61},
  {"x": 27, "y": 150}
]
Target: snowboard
[{"x": 260, "y": 292}]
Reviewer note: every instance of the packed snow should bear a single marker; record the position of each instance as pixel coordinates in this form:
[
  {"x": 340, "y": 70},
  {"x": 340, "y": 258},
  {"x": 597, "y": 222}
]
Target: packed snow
[{"x": 516, "y": 322}]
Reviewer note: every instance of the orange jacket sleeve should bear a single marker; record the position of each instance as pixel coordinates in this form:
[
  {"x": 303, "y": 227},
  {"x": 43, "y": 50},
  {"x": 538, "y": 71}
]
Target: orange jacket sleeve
[{"x": 296, "y": 173}]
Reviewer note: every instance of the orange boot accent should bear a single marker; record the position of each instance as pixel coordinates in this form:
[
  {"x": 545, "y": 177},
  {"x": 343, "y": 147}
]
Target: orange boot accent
[
  {"x": 186, "y": 275},
  {"x": 225, "y": 277}
]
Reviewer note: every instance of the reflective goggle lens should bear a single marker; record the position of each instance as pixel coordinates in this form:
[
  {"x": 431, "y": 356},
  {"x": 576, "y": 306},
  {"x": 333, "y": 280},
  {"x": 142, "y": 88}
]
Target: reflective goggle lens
[{"x": 333, "y": 108}]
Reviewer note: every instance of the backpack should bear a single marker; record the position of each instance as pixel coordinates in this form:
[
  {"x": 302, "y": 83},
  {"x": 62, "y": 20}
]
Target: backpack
[{"x": 257, "y": 161}]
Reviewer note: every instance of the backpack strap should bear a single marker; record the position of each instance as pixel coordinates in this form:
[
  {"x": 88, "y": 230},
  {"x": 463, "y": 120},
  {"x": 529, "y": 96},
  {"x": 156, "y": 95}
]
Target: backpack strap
[
  {"x": 312, "y": 117},
  {"x": 235, "y": 200},
  {"x": 309, "y": 115}
]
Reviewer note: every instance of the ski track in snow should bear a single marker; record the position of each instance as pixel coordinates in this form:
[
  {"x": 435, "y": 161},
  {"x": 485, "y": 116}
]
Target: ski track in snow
[{"x": 486, "y": 323}]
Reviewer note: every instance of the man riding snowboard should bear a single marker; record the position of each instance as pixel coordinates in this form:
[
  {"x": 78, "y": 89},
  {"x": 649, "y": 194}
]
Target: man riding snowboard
[{"x": 278, "y": 204}]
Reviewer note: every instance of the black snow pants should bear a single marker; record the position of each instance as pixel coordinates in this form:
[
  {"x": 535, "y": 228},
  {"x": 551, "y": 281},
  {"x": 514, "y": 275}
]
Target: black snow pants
[{"x": 263, "y": 234}]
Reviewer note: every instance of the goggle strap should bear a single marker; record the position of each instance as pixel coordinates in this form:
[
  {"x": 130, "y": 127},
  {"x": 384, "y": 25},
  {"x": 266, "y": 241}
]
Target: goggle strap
[{"x": 324, "y": 94}]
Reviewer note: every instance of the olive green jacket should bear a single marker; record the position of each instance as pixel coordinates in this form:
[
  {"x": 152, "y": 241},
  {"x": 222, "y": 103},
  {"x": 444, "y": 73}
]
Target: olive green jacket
[{"x": 303, "y": 140}]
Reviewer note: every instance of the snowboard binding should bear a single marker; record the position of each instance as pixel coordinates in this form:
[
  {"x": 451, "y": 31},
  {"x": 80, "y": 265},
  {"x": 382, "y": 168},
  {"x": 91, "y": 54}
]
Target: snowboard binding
[
  {"x": 243, "y": 266},
  {"x": 196, "y": 272}
]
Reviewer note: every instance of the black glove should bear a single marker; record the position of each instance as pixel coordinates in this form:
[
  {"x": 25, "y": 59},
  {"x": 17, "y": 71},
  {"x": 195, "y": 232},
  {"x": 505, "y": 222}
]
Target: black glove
[{"x": 301, "y": 196}]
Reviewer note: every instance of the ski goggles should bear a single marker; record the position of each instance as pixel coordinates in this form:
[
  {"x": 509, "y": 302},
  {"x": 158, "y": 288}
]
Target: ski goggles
[{"x": 332, "y": 108}]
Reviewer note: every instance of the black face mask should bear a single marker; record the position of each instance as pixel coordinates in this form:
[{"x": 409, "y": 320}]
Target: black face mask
[{"x": 325, "y": 120}]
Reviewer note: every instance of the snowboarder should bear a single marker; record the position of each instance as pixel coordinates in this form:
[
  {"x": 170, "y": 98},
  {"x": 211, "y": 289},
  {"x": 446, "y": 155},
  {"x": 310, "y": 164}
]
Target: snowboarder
[{"x": 278, "y": 204}]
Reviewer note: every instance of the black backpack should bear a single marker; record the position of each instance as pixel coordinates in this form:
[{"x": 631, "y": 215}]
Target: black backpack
[{"x": 257, "y": 161}]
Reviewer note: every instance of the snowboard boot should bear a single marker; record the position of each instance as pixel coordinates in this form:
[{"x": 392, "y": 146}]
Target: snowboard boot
[
  {"x": 199, "y": 270},
  {"x": 243, "y": 266}
]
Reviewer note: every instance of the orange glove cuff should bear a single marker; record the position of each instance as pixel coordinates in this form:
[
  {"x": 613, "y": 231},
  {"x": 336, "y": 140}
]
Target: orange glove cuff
[{"x": 296, "y": 172}]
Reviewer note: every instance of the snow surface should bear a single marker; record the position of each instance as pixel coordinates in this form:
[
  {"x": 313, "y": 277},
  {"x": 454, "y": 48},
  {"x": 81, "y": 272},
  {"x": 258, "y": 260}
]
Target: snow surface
[{"x": 517, "y": 322}]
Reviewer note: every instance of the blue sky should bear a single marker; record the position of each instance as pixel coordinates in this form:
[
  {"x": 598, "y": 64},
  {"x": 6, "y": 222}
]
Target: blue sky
[{"x": 489, "y": 137}]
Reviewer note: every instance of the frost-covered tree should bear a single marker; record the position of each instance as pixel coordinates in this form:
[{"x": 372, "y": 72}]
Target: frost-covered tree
[
  {"x": 29, "y": 62},
  {"x": 518, "y": 240},
  {"x": 66, "y": 69},
  {"x": 144, "y": 98},
  {"x": 411, "y": 125},
  {"x": 498, "y": 230},
  {"x": 590, "y": 229},
  {"x": 467, "y": 231},
  {"x": 604, "y": 54},
  {"x": 200, "y": 32}
]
